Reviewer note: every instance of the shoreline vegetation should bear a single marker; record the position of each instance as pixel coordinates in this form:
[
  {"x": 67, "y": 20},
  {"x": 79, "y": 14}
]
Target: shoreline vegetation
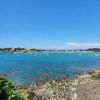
[
  {"x": 24, "y": 50},
  {"x": 8, "y": 90},
  {"x": 83, "y": 87}
]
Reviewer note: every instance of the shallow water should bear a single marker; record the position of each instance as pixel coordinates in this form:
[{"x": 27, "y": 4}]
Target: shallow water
[{"x": 25, "y": 68}]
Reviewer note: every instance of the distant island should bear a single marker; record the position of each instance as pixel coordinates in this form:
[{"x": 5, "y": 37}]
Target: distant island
[{"x": 24, "y": 50}]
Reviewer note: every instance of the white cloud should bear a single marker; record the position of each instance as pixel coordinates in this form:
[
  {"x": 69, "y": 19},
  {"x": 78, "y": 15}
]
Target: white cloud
[{"x": 75, "y": 45}]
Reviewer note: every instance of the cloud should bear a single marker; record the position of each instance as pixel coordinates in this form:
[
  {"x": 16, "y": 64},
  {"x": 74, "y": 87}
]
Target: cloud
[{"x": 75, "y": 45}]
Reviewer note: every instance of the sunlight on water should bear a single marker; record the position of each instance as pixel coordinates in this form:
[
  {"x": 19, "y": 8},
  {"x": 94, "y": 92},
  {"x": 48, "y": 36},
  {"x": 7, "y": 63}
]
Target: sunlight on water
[{"x": 25, "y": 68}]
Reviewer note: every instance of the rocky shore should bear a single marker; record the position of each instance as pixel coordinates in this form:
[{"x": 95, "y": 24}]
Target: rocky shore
[{"x": 83, "y": 87}]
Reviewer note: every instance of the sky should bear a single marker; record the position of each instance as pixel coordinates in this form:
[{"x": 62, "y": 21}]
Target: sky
[{"x": 50, "y": 24}]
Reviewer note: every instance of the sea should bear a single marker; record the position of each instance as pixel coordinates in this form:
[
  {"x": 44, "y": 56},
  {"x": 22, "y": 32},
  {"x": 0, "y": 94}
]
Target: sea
[{"x": 27, "y": 68}]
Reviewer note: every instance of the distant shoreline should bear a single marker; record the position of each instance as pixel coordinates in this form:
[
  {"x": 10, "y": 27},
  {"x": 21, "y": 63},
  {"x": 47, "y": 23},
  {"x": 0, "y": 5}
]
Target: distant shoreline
[
  {"x": 46, "y": 52},
  {"x": 24, "y": 50}
]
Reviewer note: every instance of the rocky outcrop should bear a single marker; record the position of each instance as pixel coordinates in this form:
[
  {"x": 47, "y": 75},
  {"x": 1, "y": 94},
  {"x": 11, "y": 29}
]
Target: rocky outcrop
[{"x": 84, "y": 87}]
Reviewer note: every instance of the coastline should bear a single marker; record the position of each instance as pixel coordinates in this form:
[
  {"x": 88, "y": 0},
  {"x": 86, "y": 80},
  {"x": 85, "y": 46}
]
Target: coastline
[
  {"x": 83, "y": 87},
  {"x": 33, "y": 50},
  {"x": 37, "y": 52}
]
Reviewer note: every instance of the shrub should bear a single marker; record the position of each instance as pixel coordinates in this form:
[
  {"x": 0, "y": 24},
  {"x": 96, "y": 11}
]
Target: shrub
[{"x": 8, "y": 91}]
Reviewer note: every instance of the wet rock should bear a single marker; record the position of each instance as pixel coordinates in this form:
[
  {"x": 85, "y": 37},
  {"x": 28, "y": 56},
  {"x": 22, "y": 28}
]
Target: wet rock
[{"x": 91, "y": 72}]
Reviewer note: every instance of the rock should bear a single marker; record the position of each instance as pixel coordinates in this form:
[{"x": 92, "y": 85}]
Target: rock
[
  {"x": 91, "y": 72},
  {"x": 31, "y": 96},
  {"x": 82, "y": 87},
  {"x": 39, "y": 98},
  {"x": 96, "y": 76}
]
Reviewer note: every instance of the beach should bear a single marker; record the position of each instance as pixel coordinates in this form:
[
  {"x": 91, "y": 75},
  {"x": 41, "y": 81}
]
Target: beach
[{"x": 83, "y": 87}]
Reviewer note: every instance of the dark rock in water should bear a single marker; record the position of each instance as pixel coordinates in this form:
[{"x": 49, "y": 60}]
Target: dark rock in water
[
  {"x": 91, "y": 72},
  {"x": 5, "y": 75},
  {"x": 31, "y": 96}
]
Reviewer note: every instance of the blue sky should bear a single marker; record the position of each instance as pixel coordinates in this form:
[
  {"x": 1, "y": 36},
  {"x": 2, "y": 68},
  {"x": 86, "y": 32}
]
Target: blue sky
[{"x": 51, "y": 24}]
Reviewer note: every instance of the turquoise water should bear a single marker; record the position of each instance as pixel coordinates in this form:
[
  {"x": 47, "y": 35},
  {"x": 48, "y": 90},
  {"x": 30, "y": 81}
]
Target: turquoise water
[{"x": 25, "y": 68}]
